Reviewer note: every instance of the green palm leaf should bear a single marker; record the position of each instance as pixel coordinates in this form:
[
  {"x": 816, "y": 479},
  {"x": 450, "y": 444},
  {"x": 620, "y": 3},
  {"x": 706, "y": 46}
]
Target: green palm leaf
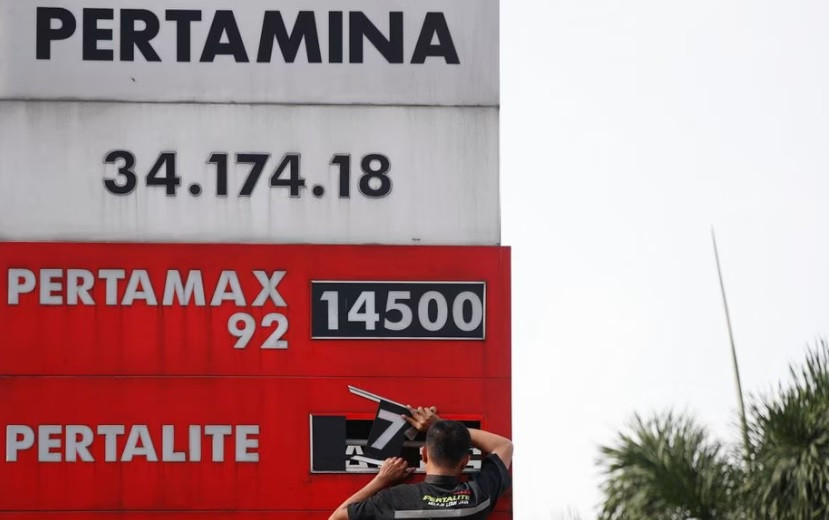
[
  {"x": 666, "y": 468},
  {"x": 789, "y": 430}
]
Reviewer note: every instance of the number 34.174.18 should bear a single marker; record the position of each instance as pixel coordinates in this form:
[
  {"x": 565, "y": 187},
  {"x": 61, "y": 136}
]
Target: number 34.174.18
[{"x": 285, "y": 173}]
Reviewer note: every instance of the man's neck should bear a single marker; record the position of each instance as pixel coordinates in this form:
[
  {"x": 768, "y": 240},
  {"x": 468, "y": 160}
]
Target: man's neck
[{"x": 442, "y": 472}]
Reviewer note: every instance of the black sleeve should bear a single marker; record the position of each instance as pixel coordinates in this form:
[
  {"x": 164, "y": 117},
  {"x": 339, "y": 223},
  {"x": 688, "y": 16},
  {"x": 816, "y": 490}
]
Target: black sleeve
[
  {"x": 372, "y": 508},
  {"x": 493, "y": 479}
]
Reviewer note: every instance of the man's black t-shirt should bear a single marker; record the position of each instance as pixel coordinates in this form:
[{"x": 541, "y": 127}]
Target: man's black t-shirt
[{"x": 439, "y": 496}]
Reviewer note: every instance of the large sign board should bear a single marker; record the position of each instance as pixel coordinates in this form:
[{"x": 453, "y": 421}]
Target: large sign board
[
  {"x": 173, "y": 377},
  {"x": 175, "y": 342},
  {"x": 253, "y": 173},
  {"x": 407, "y": 52}
]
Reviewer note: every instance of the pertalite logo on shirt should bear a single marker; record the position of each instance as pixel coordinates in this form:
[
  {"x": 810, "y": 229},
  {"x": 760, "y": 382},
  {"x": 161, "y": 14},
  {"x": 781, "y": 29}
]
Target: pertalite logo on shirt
[{"x": 459, "y": 498}]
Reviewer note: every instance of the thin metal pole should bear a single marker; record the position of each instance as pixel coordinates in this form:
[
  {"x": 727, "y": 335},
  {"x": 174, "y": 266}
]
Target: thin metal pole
[{"x": 743, "y": 423}]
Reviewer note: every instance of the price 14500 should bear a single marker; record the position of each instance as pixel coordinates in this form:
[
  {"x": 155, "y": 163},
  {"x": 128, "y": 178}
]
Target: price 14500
[{"x": 398, "y": 310}]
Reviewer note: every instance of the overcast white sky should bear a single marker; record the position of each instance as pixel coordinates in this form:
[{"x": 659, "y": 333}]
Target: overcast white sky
[{"x": 628, "y": 129}]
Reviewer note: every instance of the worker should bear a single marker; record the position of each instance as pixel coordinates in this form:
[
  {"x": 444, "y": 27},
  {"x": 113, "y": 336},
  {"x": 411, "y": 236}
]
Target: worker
[{"x": 442, "y": 493}]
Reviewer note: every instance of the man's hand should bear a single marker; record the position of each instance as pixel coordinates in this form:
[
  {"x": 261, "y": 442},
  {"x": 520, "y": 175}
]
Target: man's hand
[
  {"x": 422, "y": 417},
  {"x": 393, "y": 470}
]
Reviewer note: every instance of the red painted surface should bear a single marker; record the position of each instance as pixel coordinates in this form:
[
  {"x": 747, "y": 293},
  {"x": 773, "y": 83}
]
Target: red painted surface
[
  {"x": 281, "y": 480},
  {"x": 139, "y": 364},
  {"x": 173, "y": 340}
]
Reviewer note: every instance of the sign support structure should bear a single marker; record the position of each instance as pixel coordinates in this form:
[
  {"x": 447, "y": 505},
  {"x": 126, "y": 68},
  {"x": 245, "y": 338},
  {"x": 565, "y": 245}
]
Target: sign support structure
[{"x": 233, "y": 236}]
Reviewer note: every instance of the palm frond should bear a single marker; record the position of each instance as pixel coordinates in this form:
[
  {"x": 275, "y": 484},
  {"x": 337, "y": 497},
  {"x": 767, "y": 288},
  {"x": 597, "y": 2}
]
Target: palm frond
[
  {"x": 789, "y": 430},
  {"x": 666, "y": 468}
]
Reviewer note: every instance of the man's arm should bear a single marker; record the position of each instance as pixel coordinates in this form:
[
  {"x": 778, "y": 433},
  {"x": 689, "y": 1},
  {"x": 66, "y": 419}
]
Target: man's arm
[
  {"x": 392, "y": 470},
  {"x": 487, "y": 442}
]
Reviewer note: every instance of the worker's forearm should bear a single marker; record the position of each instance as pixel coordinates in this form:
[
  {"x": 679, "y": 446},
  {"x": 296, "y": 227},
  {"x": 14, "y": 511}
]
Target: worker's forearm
[
  {"x": 489, "y": 442},
  {"x": 369, "y": 490}
]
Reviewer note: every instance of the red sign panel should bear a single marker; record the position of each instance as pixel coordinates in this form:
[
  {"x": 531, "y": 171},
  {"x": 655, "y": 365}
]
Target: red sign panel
[
  {"x": 182, "y": 378},
  {"x": 171, "y": 309},
  {"x": 194, "y": 443}
]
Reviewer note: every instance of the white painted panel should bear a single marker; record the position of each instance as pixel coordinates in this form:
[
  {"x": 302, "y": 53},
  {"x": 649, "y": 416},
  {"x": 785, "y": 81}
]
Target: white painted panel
[
  {"x": 444, "y": 173},
  {"x": 64, "y": 70}
]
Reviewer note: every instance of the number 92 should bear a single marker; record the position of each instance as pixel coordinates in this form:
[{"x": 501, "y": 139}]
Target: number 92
[{"x": 242, "y": 326}]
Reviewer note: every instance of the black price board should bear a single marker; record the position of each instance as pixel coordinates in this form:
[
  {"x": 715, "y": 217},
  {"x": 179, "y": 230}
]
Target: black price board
[{"x": 398, "y": 310}]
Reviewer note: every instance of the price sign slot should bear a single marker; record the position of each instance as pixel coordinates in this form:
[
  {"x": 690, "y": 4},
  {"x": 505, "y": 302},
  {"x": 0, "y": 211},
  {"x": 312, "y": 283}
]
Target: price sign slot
[
  {"x": 339, "y": 445},
  {"x": 427, "y": 310}
]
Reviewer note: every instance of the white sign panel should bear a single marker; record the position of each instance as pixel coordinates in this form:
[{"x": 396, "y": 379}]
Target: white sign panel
[
  {"x": 411, "y": 52},
  {"x": 255, "y": 173}
]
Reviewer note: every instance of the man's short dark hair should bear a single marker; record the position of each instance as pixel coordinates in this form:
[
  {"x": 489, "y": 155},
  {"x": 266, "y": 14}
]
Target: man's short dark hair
[{"x": 448, "y": 442}]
